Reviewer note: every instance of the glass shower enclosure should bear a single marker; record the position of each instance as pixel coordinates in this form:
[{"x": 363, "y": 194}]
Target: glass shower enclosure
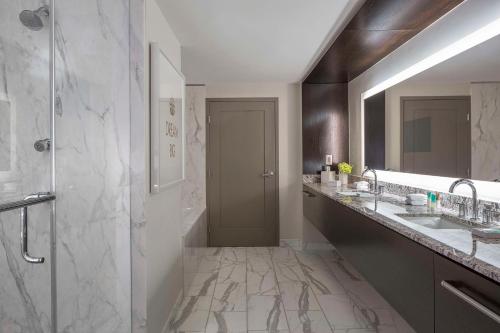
[{"x": 27, "y": 182}]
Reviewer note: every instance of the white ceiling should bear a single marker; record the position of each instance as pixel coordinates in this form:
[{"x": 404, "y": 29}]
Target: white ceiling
[
  {"x": 479, "y": 64},
  {"x": 253, "y": 40}
]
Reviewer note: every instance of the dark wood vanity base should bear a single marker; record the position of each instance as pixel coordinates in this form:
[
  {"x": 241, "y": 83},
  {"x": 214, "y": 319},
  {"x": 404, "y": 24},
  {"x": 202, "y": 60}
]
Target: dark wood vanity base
[{"x": 407, "y": 274}]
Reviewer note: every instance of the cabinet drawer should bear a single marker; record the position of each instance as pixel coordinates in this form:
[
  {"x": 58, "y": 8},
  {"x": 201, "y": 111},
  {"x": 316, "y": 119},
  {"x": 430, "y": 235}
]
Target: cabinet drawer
[{"x": 461, "y": 299}]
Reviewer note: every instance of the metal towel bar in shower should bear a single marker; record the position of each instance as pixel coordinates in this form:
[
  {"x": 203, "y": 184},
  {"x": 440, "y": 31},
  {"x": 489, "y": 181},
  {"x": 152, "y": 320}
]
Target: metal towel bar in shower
[
  {"x": 30, "y": 200},
  {"x": 43, "y": 197}
]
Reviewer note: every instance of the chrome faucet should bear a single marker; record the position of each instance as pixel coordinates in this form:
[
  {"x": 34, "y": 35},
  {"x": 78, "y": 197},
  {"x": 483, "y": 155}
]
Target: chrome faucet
[
  {"x": 375, "y": 185},
  {"x": 475, "y": 201}
]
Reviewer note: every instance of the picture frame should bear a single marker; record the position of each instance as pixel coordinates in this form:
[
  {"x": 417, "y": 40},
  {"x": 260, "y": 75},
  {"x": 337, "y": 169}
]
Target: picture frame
[{"x": 167, "y": 117}]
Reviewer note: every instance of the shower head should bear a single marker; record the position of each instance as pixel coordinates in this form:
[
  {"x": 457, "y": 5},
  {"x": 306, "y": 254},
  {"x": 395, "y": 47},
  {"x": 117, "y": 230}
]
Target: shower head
[{"x": 33, "y": 19}]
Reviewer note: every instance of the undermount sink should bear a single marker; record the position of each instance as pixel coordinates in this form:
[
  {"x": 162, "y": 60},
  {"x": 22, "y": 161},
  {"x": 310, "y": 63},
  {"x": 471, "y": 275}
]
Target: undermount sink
[
  {"x": 437, "y": 221},
  {"x": 359, "y": 194}
]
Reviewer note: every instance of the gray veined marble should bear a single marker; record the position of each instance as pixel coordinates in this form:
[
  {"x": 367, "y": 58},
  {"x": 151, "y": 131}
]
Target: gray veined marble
[
  {"x": 478, "y": 254},
  {"x": 25, "y": 291},
  {"x": 485, "y": 122},
  {"x": 264, "y": 305},
  {"x": 93, "y": 165}
]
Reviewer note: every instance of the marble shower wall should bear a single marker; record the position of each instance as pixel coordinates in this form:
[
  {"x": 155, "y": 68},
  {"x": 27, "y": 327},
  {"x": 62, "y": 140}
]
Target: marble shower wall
[
  {"x": 485, "y": 134},
  {"x": 138, "y": 146},
  {"x": 25, "y": 294},
  {"x": 92, "y": 166},
  {"x": 194, "y": 187}
]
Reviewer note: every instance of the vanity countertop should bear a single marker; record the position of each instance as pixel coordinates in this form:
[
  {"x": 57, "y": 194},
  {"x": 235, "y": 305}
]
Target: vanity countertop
[{"x": 480, "y": 255}]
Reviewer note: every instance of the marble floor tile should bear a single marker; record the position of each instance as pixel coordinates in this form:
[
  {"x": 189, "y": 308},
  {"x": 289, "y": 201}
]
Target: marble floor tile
[
  {"x": 227, "y": 322},
  {"x": 281, "y": 290},
  {"x": 208, "y": 264},
  {"x": 289, "y": 272},
  {"x": 230, "y": 296},
  {"x": 323, "y": 282},
  {"x": 343, "y": 313},
  {"x": 230, "y": 271},
  {"x": 298, "y": 296},
  {"x": 307, "y": 322},
  {"x": 259, "y": 263},
  {"x": 262, "y": 283},
  {"x": 283, "y": 254},
  {"x": 344, "y": 271},
  {"x": 192, "y": 315},
  {"x": 311, "y": 261},
  {"x": 203, "y": 284},
  {"x": 363, "y": 293},
  {"x": 257, "y": 251},
  {"x": 209, "y": 251},
  {"x": 233, "y": 254},
  {"x": 266, "y": 313}
]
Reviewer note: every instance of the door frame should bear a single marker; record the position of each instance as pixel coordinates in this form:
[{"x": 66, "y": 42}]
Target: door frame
[
  {"x": 402, "y": 101},
  {"x": 275, "y": 101}
]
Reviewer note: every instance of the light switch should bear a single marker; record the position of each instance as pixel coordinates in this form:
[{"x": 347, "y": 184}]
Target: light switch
[{"x": 329, "y": 160}]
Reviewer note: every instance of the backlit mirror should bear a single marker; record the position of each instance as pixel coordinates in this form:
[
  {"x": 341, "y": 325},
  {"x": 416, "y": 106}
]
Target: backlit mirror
[{"x": 444, "y": 121}]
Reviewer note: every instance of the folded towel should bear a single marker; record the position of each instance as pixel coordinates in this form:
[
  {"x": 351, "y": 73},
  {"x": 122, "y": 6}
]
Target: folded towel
[{"x": 416, "y": 197}]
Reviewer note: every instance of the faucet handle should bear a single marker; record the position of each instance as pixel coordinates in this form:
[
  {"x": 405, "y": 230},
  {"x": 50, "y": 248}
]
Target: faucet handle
[
  {"x": 489, "y": 211},
  {"x": 462, "y": 210}
]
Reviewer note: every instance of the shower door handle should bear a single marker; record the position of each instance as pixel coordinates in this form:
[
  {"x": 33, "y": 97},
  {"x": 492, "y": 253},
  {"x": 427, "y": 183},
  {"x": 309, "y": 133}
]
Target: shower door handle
[{"x": 24, "y": 232}]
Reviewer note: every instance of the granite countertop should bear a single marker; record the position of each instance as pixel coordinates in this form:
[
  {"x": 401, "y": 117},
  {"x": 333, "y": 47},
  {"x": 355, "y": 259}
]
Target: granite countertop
[{"x": 480, "y": 255}]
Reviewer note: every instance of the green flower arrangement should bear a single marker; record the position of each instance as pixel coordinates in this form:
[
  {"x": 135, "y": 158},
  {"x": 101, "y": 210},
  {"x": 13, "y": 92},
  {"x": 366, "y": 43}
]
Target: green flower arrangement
[{"x": 345, "y": 168}]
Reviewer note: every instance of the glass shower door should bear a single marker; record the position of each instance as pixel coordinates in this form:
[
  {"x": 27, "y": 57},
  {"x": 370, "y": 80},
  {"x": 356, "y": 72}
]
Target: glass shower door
[{"x": 25, "y": 165}]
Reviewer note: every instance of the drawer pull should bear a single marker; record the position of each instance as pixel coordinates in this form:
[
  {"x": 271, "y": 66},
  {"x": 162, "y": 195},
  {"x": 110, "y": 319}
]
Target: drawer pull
[
  {"x": 471, "y": 301},
  {"x": 309, "y": 194}
]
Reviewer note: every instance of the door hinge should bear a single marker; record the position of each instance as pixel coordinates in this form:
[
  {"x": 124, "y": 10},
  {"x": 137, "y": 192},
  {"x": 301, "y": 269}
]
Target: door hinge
[
  {"x": 209, "y": 119},
  {"x": 468, "y": 116}
]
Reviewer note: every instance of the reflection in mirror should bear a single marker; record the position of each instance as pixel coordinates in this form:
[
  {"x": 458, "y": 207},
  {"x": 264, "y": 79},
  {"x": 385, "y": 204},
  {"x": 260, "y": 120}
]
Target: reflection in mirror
[{"x": 444, "y": 121}]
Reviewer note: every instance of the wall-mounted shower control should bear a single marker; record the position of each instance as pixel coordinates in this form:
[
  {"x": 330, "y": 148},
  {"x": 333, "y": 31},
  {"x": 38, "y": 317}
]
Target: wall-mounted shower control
[{"x": 42, "y": 145}]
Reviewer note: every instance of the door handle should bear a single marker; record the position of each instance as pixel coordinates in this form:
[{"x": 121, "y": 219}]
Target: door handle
[
  {"x": 268, "y": 174},
  {"x": 471, "y": 301},
  {"x": 24, "y": 232}
]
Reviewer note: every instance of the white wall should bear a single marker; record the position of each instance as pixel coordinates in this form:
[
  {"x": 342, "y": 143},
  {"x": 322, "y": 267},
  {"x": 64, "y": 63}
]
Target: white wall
[
  {"x": 463, "y": 20},
  {"x": 393, "y": 112},
  {"x": 163, "y": 210},
  {"x": 290, "y": 156}
]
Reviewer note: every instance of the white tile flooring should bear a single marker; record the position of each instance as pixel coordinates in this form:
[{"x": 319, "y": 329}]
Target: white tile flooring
[{"x": 282, "y": 290}]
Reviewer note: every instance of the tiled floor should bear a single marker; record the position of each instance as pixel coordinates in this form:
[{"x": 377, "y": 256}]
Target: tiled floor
[{"x": 282, "y": 290}]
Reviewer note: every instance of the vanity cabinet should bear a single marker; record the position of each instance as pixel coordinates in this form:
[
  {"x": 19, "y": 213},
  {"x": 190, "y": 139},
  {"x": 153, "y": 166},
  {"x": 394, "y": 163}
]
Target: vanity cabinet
[
  {"x": 400, "y": 269},
  {"x": 460, "y": 293}
]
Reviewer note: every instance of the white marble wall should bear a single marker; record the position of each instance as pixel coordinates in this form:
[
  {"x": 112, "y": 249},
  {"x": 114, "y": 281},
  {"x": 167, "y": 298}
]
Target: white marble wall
[
  {"x": 138, "y": 147},
  {"x": 92, "y": 166},
  {"x": 25, "y": 294},
  {"x": 485, "y": 134},
  {"x": 194, "y": 187}
]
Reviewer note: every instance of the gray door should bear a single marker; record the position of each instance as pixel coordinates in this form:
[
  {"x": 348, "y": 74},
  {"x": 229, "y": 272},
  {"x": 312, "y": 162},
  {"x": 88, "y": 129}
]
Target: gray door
[
  {"x": 435, "y": 136},
  {"x": 242, "y": 172}
]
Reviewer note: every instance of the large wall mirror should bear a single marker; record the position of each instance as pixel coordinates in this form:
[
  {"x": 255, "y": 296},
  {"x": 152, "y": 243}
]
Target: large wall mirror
[{"x": 444, "y": 121}]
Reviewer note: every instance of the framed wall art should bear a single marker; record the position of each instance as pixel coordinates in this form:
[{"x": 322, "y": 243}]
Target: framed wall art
[{"x": 167, "y": 89}]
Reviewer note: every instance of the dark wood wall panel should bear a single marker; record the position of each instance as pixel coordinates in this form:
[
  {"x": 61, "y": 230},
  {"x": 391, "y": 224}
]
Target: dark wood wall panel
[
  {"x": 325, "y": 125},
  {"x": 380, "y": 27},
  {"x": 375, "y": 131}
]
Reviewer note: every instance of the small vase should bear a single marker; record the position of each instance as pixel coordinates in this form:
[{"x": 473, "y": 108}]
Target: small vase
[{"x": 344, "y": 178}]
